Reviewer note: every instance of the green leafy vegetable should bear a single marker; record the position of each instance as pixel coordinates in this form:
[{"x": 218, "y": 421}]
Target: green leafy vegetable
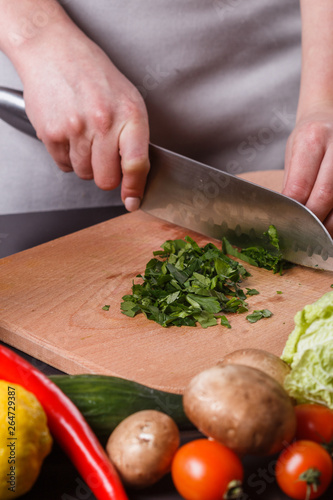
[
  {"x": 311, "y": 380},
  {"x": 313, "y": 327},
  {"x": 256, "y": 315},
  {"x": 309, "y": 351},
  {"x": 225, "y": 322},
  {"x": 252, "y": 291},
  {"x": 268, "y": 256},
  {"x": 106, "y": 308},
  {"x": 185, "y": 284}
]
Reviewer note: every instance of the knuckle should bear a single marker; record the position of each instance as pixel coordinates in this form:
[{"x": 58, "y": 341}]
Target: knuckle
[
  {"x": 133, "y": 112},
  {"x": 75, "y": 124},
  {"x": 102, "y": 119},
  {"x": 107, "y": 176},
  {"x": 136, "y": 96},
  {"x": 325, "y": 194},
  {"x": 138, "y": 165},
  {"x": 312, "y": 135},
  {"x": 82, "y": 149},
  {"x": 298, "y": 191},
  {"x": 53, "y": 134}
]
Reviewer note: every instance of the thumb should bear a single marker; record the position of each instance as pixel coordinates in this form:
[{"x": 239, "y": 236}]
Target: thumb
[{"x": 133, "y": 148}]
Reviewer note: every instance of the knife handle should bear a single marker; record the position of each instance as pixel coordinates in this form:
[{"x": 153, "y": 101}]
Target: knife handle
[{"x": 12, "y": 111}]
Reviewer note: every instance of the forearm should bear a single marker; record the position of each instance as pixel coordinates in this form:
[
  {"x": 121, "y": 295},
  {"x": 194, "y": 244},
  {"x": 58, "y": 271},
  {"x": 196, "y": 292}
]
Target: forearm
[
  {"x": 24, "y": 24},
  {"x": 317, "y": 55}
]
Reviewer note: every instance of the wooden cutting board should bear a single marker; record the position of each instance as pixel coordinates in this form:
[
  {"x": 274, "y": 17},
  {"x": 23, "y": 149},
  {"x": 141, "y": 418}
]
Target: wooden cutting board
[{"x": 51, "y": 300}]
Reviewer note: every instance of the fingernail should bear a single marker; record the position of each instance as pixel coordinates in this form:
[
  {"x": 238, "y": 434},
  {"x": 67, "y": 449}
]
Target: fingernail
[{"x": 132, "y": 204}]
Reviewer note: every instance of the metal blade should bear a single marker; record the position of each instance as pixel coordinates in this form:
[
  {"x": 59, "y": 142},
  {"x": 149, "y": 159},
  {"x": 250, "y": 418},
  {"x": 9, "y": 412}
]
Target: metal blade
[{"x": 217, "y": 204}]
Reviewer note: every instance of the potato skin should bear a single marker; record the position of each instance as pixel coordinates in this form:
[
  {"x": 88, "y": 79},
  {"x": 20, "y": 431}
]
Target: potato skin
[
  {"x": 142, "y": 447},
  {"x": 241, "y": 407},
  {"x": 260, "y": 359}
]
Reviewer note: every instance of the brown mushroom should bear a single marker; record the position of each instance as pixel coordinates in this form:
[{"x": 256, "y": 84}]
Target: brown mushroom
[
  {"x": 260, "y": 359},
  {"x": 241, "y": 407},
  {"x": 142, "y": 446}
]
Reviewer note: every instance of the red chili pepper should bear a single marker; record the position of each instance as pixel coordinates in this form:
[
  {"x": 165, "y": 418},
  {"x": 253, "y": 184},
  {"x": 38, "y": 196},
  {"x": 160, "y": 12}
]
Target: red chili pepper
[{"x": 67, "y": 425}]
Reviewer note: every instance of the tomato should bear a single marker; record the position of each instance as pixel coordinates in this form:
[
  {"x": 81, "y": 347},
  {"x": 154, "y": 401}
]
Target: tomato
[
  {"x": 304, "y": 470},
  {"x": 314, "y": 423},
  {"x": 206, "y": 470}
]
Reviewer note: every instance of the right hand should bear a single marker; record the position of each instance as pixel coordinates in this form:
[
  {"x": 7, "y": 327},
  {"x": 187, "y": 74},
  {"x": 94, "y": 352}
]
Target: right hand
[
  {"x": 309, "y": 165},
  {"x": 90, "y": 117}
]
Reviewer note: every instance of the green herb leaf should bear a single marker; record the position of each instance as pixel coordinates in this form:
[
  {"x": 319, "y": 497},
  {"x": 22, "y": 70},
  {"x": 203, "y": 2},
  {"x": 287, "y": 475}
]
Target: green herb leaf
[
  {"x": 205, "y": 319},
  {"x": 273, "y": 237},
  {"x": 225, "y": 322},
  {"x": 256, "y": 315},
  {"x": 106, "y": 308},
  {"x": 252, "y": 291},
  {"x": 129, "y": 308}
]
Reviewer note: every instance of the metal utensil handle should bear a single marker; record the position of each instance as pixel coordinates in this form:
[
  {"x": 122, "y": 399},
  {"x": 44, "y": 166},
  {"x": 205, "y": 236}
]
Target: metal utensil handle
[{"x": 12, "y": 110}]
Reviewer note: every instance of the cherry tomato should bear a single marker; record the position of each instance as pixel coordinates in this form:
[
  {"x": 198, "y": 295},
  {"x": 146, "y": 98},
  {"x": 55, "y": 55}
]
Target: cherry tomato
[
  {"x": 304, "y": 470},
  {"x": 206, "y": 470},
  {"x": 314, "y": 423}
]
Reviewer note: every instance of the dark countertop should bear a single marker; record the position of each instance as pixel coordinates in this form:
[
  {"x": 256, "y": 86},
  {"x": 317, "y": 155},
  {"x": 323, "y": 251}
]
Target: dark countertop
[{"x": 58, "y": 479}]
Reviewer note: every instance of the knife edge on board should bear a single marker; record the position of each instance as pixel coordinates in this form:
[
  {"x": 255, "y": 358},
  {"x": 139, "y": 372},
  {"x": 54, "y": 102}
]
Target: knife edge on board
[{"x": 213, "y": 202}]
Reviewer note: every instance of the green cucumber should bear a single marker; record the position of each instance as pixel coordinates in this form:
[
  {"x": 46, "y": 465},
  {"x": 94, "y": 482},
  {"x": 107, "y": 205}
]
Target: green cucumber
[{"x": 105, "y": 401}]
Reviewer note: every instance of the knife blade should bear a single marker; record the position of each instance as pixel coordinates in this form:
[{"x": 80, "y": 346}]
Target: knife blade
[
  {"x": 218, "y": 204},
  {"x": 215, "y": 203}
]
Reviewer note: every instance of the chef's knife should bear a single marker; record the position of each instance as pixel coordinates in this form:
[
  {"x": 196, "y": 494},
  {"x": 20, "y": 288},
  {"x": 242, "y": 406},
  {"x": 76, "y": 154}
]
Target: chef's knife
[{"x": 215, "y": 203}]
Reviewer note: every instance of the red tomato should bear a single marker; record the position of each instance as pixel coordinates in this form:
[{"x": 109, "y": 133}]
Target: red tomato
[
  {"x": 205, "y": 470},
  {"x": 304, "y": 470},
  {"x": 314, "y": 423}
]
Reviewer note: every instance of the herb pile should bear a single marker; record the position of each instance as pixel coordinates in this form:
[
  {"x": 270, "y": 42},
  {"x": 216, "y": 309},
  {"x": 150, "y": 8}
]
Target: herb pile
[
  {"x": 260, "y": 256},
  {"x": 185, "y": 284}
]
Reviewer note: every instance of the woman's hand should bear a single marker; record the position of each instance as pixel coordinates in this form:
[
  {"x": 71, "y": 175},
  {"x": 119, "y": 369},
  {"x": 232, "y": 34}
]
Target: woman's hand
[
  {"x": 309, "y": 163},
  {"x": 309, "y": 153},
  {"x": 90, "y": 117}
]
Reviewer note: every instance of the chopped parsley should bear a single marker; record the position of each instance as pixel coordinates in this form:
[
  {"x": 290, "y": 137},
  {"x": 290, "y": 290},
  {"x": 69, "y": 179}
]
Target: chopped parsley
[
  {"x": 259, "y": 256},
  {"x": 256, "y": 315},
  {"x": 106, "y": 308},
  {"x": 225, "y": 322},
  {"x": 185, "y": 284}
]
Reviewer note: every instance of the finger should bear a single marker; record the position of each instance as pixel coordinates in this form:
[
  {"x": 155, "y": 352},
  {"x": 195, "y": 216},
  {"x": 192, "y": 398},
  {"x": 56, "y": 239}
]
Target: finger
[
  {"x": 80, "y": 157},
  {"x": 106, "y": 161},
  {"x": 134, "y": 144},
  {"x": 79, "y": 145},
  {"x": 60, "y": 154},
  {"x": 304, "y": 160},
  {"x": 320, "y": 201}
]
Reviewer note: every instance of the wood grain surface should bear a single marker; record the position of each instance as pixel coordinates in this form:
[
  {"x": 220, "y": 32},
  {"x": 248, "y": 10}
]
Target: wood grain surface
[{"x": 51, "y": 300}]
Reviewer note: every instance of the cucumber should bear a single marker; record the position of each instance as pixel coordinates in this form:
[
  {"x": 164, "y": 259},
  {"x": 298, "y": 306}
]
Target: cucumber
[{"x": 105, "y": 401}]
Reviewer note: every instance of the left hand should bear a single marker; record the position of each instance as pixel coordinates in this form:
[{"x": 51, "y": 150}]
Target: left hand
[{"x": 309, "y": 163}]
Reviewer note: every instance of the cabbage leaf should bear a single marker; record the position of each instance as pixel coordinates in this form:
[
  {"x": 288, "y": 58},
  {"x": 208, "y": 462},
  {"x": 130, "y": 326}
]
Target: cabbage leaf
[{"x": 309, "y": 351}]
